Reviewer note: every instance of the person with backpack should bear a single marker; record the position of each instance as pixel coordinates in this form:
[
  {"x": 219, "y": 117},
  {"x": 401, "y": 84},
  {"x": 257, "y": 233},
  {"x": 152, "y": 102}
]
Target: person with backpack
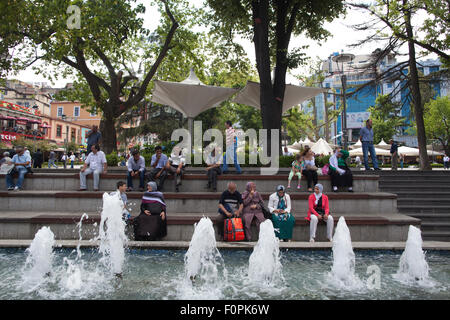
[{"x": 230, "y": 205}]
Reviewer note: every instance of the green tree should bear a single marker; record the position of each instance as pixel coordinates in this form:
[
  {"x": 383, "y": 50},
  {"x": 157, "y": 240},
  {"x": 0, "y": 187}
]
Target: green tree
[
  {"x": 270, "y": 24},
  {"x": 437, "y": 121},
  {"x": 101, "y": 51},
  {"x": 386, "y": 119}
]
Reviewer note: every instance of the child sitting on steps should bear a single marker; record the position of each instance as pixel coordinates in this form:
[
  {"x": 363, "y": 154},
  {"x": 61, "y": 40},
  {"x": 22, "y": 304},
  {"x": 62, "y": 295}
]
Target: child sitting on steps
[{"x": 297, "y": 168}]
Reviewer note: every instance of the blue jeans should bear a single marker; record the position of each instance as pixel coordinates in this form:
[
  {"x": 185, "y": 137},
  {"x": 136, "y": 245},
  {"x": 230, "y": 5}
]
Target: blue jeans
[
  {"x": 236, "y": 164},
  {"x": 368, "y": 147},
  {"x": 51, "y": 163},
  {"x": 71, "y": 164},
  {"x": 141, "y": 179},
  {"x": 9, "y": 177}
]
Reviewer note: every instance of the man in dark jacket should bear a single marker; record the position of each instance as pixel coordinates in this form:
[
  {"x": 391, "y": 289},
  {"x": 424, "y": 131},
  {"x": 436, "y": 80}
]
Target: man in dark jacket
[{"x": 38, "y": 159}]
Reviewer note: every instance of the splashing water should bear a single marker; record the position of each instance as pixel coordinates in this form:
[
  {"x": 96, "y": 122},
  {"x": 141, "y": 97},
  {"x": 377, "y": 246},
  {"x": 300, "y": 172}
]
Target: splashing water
[
  {"x": 201, "y": 264},
  {"x": 342, "y": 273},
  {"x": 112, "y": 233},
  {"x": 264, "y": 263},
  {"x": 38, "y": 265},
  {"x": 413, "y": 268}
]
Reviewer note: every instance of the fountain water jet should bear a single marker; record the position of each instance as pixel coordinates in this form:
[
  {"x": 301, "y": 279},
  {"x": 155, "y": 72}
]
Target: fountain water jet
[
  {"x": 264, "y": 263},
  {"x": 112, "y": 233},
  {"x": 413, "y": 268},
  {"x": 38, "y": 265},
  {"x": 342, "y": 273},
  {"x": 201, "y": 263}
]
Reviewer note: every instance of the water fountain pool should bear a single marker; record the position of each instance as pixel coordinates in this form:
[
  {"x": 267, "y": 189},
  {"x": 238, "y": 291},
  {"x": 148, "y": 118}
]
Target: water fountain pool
[{"x": 204, "y": 272}]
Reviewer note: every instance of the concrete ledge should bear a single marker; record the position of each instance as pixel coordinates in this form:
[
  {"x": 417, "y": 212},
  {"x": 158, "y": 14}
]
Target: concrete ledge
[
  {"x": 183, "y": 245},
  {"x": 265, "y": 183}
]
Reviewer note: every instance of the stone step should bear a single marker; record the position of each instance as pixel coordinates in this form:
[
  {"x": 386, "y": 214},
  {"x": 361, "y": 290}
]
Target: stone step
[
  {"x": 402, "y": 194},
  {"x": 190, "y": 182},
  {"x": 436, "y": 236},
  {"x": 194, "y": 202},
  {"x": 413, "y": 208},
  {"x": 180, "y": 227},
  {"x": 435, "y": 226},
  {"x": 431, "y": 217},
  {"x": 424, "y": 201}
]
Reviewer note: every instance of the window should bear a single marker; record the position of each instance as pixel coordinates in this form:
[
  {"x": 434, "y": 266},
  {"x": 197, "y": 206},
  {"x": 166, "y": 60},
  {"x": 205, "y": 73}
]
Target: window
[
  {"x": 27, "y": 104},
  {"x": 20, "y": 103},
  {"x": 60, "y": 111},
  {"x": 389, "y": 85},
  {"x": 73, "y": 134},
  {"x": 76, "y": 111},
  {"x": 59, "y": 131},
  {"x": 94, "y": 112}
]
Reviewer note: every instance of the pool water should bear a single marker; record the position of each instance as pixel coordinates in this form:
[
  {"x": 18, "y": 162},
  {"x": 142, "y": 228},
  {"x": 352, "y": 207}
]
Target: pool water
[{"x": 159, "y": 274}]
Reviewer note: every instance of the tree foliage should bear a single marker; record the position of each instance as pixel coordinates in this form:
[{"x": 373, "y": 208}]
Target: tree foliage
[{"x": 437, "y": 121}]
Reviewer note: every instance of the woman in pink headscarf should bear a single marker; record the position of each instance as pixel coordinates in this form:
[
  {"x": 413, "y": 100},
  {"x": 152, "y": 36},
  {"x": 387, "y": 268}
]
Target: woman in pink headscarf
[{"x": 252, "y": 208}]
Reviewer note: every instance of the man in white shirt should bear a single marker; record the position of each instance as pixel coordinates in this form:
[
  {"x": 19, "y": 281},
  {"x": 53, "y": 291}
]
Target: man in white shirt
[
  {"x": 136, "y": 166},
  {"x": 21, "y": 163},
  {"x": 231, "y": 143},
  {"x": 446, "y": 162},
  {"x": 72, "y": 160},
  {"x": 213, "y": 162},
  {"x": 175, "y": 166},
  {"x": 286, "y": 152},
  {"x": 97, "y": 165}
]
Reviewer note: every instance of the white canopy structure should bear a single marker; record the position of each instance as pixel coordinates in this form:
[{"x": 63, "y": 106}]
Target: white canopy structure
[
  {"x": 411, "y": 152},
  {"x": 358, "y": 144},
  {"x": 383, "y": 145},
  {"x": 321, "y": 146},
  {"x": 190, "y": 96},
  {"x": 293, "y": 95},
  {"x": 378, "y": 151},
  {"x": 301, "y": 144}
]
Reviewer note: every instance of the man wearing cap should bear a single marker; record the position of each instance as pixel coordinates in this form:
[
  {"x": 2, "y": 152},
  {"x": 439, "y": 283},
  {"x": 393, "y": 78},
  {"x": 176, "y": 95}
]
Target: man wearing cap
[{"x": 136, "y": 166}]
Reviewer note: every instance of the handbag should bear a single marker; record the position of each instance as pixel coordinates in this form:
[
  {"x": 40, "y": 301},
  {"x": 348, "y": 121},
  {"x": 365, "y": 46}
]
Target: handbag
[
  {"x": 325, "y": 169},
  {"x": 310, "y": 167},
  {"x": 265, "y": 211}
]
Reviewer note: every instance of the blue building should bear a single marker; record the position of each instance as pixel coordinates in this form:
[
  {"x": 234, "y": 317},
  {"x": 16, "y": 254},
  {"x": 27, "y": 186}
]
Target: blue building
[{"x": 359, "y": 72}]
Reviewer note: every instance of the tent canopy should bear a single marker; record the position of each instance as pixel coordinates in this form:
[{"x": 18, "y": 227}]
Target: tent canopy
[
  {"x": 378, "y": 151},
  {"x": 414, "y": 152},
  {"x": 293, "y": 95},
  {"x": 383, "y": 145},
  {"x": 190, "y": 96},
  {"x": 321, "y": 146}
]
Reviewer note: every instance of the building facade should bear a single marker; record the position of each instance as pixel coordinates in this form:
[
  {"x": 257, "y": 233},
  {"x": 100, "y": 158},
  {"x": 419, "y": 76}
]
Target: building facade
[{"x": 360, "y": 71}]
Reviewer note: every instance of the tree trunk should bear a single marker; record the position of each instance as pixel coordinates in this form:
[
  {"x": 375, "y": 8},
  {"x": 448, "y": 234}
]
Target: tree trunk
[{"x": 415, "y": 91}]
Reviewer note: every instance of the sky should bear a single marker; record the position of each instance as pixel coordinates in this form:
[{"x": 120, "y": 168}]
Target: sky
[{"x": 342, "y": 36}]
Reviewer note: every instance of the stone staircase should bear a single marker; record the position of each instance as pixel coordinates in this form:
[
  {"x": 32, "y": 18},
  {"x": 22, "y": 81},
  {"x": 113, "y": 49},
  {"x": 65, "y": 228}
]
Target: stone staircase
[
  {"x": 50, "y": 198},
  {"x": 422, "y": 195}
]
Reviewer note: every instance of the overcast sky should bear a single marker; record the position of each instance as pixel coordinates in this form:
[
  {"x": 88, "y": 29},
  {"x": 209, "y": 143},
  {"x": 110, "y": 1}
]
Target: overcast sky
[{"x": 342, "y": 36}]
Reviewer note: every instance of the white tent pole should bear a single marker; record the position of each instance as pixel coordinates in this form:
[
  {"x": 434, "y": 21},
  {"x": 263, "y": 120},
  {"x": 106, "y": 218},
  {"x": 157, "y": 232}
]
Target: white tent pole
[{"x": 191, "y": 130}]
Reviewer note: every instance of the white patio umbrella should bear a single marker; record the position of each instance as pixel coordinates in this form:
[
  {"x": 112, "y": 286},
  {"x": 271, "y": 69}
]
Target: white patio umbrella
[
  {"x": 378, "y": 151},
  {"x": 301, "y": 144},
  {"x": 293, "y": 95},
  {"x": 321, "y": 146},
  {"x": 190, "y": 96},
  {"x": 408, "y": 151},
  {"x": 383, "y": 145},
  {"x": 358, "y": 144}
]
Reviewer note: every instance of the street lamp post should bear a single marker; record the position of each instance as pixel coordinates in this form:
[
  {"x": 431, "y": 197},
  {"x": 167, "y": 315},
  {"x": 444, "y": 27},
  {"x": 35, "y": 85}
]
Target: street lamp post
[
  {"x": 63, "y": 117},
  {"x": 35, "y": 107},
  {"x": 343, "y": 57}
]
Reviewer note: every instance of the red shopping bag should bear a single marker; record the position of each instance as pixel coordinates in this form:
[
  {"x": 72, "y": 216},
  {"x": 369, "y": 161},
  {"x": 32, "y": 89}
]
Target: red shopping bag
[{"x": 233, "y": 229}]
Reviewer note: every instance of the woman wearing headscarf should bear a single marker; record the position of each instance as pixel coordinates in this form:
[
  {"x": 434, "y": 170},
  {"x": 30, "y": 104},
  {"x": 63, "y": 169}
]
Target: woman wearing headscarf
[
  {"x": 340, "y": 173},
  {"x": 151, "y": 224},
  {"x": 252, "y": 209},
  {"x": 282, "y": 219},
  {"x": 319, "y": 210}
]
